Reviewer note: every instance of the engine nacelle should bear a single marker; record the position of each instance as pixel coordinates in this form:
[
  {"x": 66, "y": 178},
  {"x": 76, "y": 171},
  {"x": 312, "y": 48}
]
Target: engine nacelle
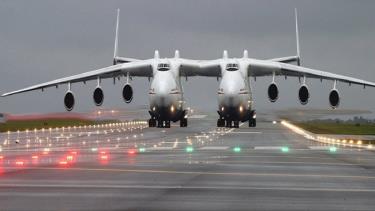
[
  {"x": 303, "y": 95},
  {"x": 127, "y": 93},
  {"x": 273, "y": 92},
  {"x": 98, "y": 96},
  {"x": 334, "y": 98},
  {"x": 69, "y": 101}
]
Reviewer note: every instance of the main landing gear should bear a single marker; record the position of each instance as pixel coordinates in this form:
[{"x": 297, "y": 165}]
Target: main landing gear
[
  {"x": 183, "y": 122},
  {"x": 165, "y": 123},
  {"x": 253, "y": 119},
  {"x": 221, "y": 122},
  {"x": 228, "y": 123}
]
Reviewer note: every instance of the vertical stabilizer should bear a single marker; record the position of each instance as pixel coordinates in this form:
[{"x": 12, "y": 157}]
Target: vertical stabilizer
[
  {"x": 115, "y": 53},
  {"x": 297, "y": 38}
]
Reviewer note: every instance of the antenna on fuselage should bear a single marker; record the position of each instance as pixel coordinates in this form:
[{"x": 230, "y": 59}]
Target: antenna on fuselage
[
  {"x": 115, "y": 53},
  {"x": 297, "y": 39},
  {"x": 225, "y": 54},
  {"x": 245, "y": 54},
  {"x": 156, "y": 54}
]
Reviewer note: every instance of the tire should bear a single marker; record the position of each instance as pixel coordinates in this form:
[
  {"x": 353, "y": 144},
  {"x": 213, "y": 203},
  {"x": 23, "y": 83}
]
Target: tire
[
  {"x": 151, "y": 123},
  {"x": 220, "y": 123},
  {"x": 236, "y": 124},
  {"x": 183, "y": 122}
]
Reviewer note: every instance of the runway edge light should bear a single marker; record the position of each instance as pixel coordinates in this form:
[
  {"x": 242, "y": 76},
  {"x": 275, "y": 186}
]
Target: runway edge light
[
  {"x": 285, "y": 149},
  {"x": 189, "y": 149},
  {"x": 333, "y": 149},
  {"x": 237, "y": 149}
]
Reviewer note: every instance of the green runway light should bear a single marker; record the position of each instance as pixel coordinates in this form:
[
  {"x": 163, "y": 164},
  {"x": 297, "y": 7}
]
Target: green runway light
[
  {"x": 284, "y": 149},
  {"x": 142, "y": 149},
  {"x": 189, "y": 149},
  {"x": 332, "y": 149},
  {"x": 237, "y": 149}
]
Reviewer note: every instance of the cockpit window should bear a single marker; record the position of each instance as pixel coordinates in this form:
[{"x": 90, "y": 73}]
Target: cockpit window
[
  {"x": 163, "y": 67},
  {"x": 232, "y": 67}
]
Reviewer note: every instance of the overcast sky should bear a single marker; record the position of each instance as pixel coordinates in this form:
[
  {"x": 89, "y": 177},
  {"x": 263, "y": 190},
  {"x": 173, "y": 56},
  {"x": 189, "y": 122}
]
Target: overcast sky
[{"x": 45, "y": 40}]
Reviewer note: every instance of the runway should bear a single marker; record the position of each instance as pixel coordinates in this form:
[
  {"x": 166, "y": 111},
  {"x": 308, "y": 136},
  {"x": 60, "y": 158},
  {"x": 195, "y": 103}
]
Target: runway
[{"x": 201, "y": 167}]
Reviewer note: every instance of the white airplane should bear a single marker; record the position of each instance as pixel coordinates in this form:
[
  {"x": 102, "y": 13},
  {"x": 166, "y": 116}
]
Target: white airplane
[{"x": 166, "y": 99}]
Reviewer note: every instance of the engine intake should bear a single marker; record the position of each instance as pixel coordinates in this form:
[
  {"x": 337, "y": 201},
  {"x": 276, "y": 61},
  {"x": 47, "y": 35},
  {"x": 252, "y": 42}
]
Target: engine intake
[
  {"x": 127, "y": 93},
  {"x": 334, "y": 98},
  {"x": 98, "y": 96},
  {"x": 303, "y": 95},
  {"x": 273, "y": 92},
  {"x": 69, "y": 101}
]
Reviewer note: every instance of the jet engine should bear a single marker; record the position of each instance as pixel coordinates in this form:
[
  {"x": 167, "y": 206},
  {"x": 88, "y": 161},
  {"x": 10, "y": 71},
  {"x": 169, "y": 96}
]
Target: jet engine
[
  {"x": 334, "y": 98},
  {"x": 273, "y": 92},
  {"x": 69, "y": 101},
  {"x": 127, "y": 93},
  {"x": 303, "y": 95},
  {"x": 98, "y": 96}
]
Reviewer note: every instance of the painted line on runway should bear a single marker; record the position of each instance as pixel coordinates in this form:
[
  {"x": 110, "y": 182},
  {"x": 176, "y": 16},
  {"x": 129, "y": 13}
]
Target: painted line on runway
[
  {"x": 239, "y": 132},
  {"x": 241, "y": 174},
  {"x": 159, "y": 148},
  {"x": 118, "y": 186},
  {"x": 320, "y": 147},
  {"x": 214, "y": 148},
  {"x": 267, "y": 147}
]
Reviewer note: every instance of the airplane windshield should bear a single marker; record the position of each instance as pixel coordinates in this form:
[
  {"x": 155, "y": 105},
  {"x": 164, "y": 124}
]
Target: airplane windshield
[
  {"x": 163, "y": 67},
  {"x": 232, "y": 67}
]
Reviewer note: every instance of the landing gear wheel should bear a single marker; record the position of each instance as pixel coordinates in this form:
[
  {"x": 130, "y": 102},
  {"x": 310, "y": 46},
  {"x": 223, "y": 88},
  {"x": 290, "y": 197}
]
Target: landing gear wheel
[
  {"x": 167, "y": 124},
  {"x": 236, "y": 124},
  {"x": 160, "y": 124},
  {"x": 228, "y": 123},
  {"x": 253, "y": 120},
  {"x": 252, "y": 123},
  {"x": 183, "y": 122},
  {"x": 220, "y": 123},
  {"x": 151, "y": 123}
]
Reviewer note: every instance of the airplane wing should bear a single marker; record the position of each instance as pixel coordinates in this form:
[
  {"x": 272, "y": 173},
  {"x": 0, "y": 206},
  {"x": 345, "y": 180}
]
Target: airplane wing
[
  {"x": 138, "y": 68},
  {"x": 288, "y": 59},
  {"x": 118, "y": 60},
  {"x": 266, "y": 68}
]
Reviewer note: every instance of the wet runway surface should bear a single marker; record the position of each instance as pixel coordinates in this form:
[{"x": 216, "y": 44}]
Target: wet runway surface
[{"x": 132, "y": 167}]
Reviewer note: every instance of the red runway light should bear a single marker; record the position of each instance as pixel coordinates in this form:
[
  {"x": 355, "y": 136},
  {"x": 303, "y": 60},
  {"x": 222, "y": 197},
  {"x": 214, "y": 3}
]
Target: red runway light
[
  {"x": 103, "y": 152},
  {"x": 73, "y": 152},
  {"x": 34, "y": 157},
  {"x": 69, "y": 157},
  {"x": 45, "y": 152},
  {"x": 131, "y": 151},
  {"x": 63, "y": 163},
  {"x": 20, "y": 163},
  {"x": 104, "y": 157},
  {"x": 1, "y": 157}
]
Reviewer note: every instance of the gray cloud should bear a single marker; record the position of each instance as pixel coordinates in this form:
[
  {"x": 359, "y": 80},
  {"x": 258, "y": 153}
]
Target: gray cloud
[{"x": 44, "y": 40}]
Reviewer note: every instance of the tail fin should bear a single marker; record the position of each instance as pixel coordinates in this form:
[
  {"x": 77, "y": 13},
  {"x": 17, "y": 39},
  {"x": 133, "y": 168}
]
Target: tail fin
[
  {"x": 297, "y": 39},
  {"x": 115, "y": 53}
]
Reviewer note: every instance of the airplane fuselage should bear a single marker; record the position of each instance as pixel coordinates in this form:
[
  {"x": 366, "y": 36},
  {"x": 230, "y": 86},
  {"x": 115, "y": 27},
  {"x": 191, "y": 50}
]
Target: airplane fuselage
[
  {"x": 234, "y": 94},
  {"x": 165, "y": 94}
]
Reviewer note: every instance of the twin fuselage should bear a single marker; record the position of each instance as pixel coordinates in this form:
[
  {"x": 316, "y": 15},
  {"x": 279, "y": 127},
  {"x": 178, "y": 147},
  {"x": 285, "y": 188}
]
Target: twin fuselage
[{"x": 167, "y": 98}]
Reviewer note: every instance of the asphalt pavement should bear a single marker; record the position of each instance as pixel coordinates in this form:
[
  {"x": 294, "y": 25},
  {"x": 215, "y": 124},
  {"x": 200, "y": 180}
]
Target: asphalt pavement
[{"x": 128, "y": 166}]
